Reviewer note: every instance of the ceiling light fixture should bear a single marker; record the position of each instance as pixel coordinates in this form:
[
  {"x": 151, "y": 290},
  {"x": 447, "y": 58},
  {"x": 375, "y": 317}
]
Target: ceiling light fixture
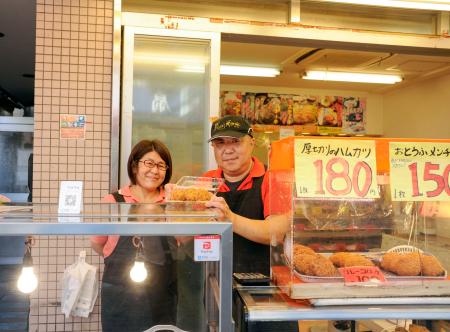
[
  {"x": 351, "y": 77},
  {"x": 200, "y": 69},
  {"x": 249, "y": 71},
  {"x": 440, "y": 5}
]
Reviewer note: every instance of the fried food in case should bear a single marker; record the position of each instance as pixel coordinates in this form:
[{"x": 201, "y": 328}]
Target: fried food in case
[
  {"x": 348, "y": 259},
  {"x": 412, "y": 264}
]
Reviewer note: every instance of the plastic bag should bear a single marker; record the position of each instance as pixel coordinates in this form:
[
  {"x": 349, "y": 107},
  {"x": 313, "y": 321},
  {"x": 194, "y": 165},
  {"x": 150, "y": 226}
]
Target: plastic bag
[{"x": 80, "y": 288}]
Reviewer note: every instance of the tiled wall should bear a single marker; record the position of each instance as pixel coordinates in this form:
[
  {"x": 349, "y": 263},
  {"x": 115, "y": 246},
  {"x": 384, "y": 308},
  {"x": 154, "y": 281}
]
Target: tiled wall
[{"x": 74, "y": 41}]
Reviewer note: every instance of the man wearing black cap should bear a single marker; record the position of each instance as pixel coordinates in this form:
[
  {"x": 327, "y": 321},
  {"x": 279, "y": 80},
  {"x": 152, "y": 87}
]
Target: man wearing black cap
[
  {"x": 244, "y": 200},
  {"x": 244, "y": 197}
]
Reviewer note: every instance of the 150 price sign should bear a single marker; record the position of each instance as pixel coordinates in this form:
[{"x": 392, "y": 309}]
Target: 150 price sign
[
  {"x": 419, "y": 171},
  {"x": 329, "y": 168}
]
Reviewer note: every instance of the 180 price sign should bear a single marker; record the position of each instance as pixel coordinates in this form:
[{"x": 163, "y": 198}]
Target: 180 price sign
[
  {"x": 419, "y": 171},
  {"x": 335, "y": 168}
]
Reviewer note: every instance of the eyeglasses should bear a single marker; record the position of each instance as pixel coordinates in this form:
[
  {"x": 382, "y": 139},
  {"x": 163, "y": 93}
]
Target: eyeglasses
[
  {"x": 151, "y": 164},
  {"x": 221, "y": 143}
]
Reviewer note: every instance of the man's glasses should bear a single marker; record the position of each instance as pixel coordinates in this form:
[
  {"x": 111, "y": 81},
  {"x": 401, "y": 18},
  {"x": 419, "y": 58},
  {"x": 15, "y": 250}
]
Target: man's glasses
[{"x": 151, "y": 164}]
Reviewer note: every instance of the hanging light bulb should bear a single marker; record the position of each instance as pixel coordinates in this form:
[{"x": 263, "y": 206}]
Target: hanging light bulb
[
  {"x": 27, "y": 281},
  {"x": 138, "y": 272}
]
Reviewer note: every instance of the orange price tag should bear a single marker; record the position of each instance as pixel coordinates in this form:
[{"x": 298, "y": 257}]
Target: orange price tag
[{"x": 362, "y": 274}]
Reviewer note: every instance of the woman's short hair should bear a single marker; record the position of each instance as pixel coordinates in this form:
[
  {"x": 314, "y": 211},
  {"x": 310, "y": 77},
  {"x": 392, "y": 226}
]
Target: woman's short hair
[{"x": 141, "y": 149}]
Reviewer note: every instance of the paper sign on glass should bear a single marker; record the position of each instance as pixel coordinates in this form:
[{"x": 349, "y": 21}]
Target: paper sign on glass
[
  {"x": 206, "y": 248},
  {"x": 419, "y": 171},
  {"x": 70, "y": 199},
  {"x": 329, "y": 168}
]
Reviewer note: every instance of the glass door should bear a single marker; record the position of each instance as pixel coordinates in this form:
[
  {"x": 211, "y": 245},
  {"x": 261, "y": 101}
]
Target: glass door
[{"x": 170, "y": 91}]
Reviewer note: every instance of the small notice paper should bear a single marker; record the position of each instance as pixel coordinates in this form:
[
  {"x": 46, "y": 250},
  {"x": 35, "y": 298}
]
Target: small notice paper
[
  {"x": 206, "y": 248},
  {"x": 70, "y": 200},
  {"x": 366, "y": 274},
  {"x": 72, "y": 126}
]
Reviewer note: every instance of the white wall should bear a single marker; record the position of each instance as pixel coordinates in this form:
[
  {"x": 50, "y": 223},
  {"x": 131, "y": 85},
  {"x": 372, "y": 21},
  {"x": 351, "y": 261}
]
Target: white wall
[
  {"x": 420, "y": 110},
  {"x": 374, "y": 113}
]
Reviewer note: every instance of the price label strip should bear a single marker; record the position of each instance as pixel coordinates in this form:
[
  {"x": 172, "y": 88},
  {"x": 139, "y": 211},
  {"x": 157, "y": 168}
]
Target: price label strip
[
  {"x": 362, "y": 274},
  {"x": 419, "y": 171},
  {"x": 326, "y": 168}
]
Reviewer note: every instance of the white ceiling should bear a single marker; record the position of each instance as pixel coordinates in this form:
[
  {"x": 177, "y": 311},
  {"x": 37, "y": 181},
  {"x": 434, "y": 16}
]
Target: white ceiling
[{"x": 294, "y": 61}]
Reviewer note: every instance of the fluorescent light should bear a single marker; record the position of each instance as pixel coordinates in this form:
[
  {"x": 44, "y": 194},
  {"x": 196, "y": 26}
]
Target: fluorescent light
[
  {"x": 190, "y": 69},
  {"x": 351, "y": 77},
  {"x": 248, "y": 71},
  {"x": 424, "y": 5}
]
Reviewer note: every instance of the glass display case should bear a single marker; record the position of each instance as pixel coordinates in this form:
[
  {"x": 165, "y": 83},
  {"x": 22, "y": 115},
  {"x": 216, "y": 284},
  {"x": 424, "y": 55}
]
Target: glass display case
[
  {"x": 338, "y": 247},
  {"x": 198, "y": 248}
]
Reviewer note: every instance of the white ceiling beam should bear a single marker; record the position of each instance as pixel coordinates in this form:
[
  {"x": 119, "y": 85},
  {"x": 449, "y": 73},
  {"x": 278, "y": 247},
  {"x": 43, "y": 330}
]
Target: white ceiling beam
[{"x": 294, "y": 11}]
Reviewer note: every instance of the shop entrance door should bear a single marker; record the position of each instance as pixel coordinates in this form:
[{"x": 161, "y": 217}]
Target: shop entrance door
[{"x": 170, "y": 90}]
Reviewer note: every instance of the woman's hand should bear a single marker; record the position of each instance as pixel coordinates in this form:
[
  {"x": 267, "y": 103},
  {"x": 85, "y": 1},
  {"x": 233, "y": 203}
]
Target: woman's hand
[{"x": 220, "y": 206}]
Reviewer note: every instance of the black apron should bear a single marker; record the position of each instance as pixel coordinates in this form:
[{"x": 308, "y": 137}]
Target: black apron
[
  {"x": 248, "y": 256},
  {"x": 130, "y": 306}
]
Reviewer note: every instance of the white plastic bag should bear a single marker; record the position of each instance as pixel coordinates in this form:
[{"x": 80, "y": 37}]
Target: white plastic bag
[{"x": 80, "y": 288}]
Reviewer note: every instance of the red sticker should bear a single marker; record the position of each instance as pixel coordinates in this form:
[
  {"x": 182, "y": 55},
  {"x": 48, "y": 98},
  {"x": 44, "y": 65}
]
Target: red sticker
[{"x": 362, "y": 274}]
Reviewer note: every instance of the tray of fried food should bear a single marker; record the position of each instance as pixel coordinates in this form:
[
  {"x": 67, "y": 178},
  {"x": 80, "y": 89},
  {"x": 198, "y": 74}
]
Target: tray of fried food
[
  {"x": 191, "y": 192},
  {"x": 411, "y": 265},
  {"x": 310, "y": 266}
]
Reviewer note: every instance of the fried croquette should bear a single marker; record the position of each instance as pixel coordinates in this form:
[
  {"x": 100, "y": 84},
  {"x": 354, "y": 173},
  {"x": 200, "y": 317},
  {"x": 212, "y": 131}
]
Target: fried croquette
[
  {"x": 314, "y": 265},
  {"x": 389, "y": 260},
  {"x": 338, "y": 258},
  {"x": 348, "y": 259},
  {"x": 300, "y": 249},
  {"x": 431, "y": 266},
  {"x": 304, "y": 263},
  {"x": 402, "y": 264}
]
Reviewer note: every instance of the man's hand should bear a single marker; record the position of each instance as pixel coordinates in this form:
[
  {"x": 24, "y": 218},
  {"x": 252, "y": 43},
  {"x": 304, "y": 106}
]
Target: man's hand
[{"x": 220, "y": 206}]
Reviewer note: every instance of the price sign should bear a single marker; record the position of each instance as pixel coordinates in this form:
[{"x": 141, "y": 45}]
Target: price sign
[
  {"x": 362, "y": 274},
  {"x": 419, "y": 171},
  {"x": 335, "y": 168}
]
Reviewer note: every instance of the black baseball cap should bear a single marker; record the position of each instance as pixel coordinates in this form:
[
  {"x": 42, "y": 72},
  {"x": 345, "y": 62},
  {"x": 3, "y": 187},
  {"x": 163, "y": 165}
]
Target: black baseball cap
[{"x": 230, "y": 126}]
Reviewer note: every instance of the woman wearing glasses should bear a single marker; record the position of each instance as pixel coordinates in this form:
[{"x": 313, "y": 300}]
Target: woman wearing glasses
[{"x": 128, "y": 305}]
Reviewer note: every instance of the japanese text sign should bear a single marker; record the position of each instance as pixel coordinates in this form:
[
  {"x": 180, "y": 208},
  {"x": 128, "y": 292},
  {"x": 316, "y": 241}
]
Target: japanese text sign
[
  {"x": 329, "y": 168},
  {"x": 362, "y": 274},
  {"x": 419, "y": 171}
]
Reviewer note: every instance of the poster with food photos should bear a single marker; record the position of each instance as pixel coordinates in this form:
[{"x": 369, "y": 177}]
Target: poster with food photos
[{"x": 327, "y": 113}]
